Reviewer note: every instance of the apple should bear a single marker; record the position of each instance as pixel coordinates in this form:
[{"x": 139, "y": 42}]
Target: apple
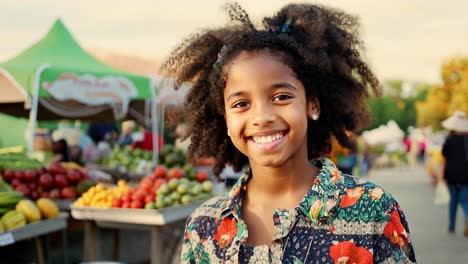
[
  {"x": 41, "y": 170},
  {"x": 19, "y": 175},
  {"x": 30, "y": 175},
  {"x": 74, "y": 176},
  {"x": 57, "y": 168},
  {"x": 186, "y": 199},
  {"x": 173, "y": 183},
  {"x": 159, "y": 171},
  {"x": 201, "y": 176},
  {"x": 46, "y": 181},
  {"x": 68, "y": 193},
  {"x": 60, "y": 181},
  {"x": 8, "y": 175},
  {"x": 163, "y": 189},
  {"x": 150, "y": 205},
  {"x": 175, "y": 196},
  {"x": 32, "y": 185},
  {"x": 182, "y": 188},
  {"x": 22, "y": 189},
  {"x": 15, "y": 182},
  {"x": 45, "y": 195},
  {"x": 207, "y": 186},
  {"x": 125, "y": 204},
  {"x": 34, "y": 195},
  {"x": 175, "y": 173},
  {"x": 196, "y": 189}
]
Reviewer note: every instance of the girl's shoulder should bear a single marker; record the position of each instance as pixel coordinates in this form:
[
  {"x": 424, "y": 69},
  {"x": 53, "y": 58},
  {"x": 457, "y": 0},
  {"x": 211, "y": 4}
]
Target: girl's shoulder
[{"x": 363, "y": 200}]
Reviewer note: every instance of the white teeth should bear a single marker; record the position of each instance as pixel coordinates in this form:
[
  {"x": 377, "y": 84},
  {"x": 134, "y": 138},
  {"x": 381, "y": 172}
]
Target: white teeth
[{"x": 267, "y": 139}]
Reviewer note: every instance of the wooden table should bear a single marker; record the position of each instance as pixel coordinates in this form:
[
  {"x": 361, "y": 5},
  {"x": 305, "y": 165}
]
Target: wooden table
[
  {"x": 35, "y": 230},
  {"x": 120, "y": 218}
]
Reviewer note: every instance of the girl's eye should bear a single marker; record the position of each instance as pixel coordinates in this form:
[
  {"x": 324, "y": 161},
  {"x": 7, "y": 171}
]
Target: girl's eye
[
  {"x": 241, "y": 104},
  {"x": 281, "y": 97}
]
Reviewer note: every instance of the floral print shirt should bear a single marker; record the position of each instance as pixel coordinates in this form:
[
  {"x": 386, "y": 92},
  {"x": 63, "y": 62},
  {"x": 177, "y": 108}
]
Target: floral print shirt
[{"x": 340, "y": 220}]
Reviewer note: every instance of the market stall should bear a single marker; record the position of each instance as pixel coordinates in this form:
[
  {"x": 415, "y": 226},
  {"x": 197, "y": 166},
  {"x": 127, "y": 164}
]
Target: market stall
[
  {"x": 56, "y": 79},
  {"x": 35, "y": 231},
  {"x": 116, "y": 218}
]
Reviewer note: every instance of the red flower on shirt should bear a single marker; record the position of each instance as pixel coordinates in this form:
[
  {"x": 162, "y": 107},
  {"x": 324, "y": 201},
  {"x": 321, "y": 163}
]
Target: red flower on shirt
[
  {"x": 226, "y": 231},
  {"x": 346, "y": 252},
  {"x": 395, "y": 231},
  {"x": 351, "y": 196}
]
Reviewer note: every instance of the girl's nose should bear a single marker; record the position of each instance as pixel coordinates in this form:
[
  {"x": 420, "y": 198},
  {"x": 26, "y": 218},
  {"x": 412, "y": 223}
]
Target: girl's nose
[{"x": 263, "y": 114}]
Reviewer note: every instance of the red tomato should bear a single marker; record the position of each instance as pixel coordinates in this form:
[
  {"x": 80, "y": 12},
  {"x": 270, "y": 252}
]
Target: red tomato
[
  {"x": 149, "y": 198},
  {"x": 160, "y": 171},
  {"x": 201, "y": 176},
  {"x": 126, "y": 198},
  {"x": 139, "y": 195},
  {"x": 126, "y": 205},
  {"x": 136, "y": 204},
  {"x": 158, "y": 183},
  {"x": 117, "y": 203},
  {"x": 146, "y": 184},
  {"x": 175, "y": 173}
]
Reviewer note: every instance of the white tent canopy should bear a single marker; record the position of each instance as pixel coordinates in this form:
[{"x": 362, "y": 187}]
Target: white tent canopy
[{"x": 384, "y": 134}]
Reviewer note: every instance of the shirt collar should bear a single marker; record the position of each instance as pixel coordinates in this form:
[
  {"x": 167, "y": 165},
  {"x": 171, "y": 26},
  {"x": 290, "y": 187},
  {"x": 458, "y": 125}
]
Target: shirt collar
[{"x": 319, "y": 203}]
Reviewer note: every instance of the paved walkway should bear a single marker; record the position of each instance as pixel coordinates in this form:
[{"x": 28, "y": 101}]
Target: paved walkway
[{"x": 428, "y": 222}]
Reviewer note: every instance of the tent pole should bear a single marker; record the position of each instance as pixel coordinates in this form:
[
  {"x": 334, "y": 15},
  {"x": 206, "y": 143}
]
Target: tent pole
[
  {"x": 154, "y": 119},
  {"x": 34, "y": 106}
]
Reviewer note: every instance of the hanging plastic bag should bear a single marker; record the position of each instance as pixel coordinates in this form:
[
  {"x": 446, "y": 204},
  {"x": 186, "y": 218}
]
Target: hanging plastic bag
[{"x": 441, "y": 194}]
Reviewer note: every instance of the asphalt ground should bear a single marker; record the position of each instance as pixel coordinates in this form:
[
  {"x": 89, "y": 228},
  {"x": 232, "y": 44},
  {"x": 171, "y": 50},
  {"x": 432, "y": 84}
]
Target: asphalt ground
[{"x": 411, "y": 187}]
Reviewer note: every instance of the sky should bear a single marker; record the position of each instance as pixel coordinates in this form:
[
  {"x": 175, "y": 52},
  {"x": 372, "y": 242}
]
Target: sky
[{"x": 406, "y": 40}]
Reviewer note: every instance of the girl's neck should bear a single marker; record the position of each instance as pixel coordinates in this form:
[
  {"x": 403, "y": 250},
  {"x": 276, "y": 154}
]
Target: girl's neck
[{"x": 290, "y": 182}]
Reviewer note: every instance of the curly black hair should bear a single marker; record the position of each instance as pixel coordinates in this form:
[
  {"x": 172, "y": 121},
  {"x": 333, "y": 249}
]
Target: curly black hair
[{"x": 320, "y": 44}]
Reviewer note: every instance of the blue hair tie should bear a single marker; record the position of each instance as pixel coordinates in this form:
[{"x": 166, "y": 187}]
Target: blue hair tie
[{"x": 286, "y": 28}]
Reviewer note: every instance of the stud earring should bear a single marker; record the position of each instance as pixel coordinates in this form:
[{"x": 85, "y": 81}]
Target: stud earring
[{"x": 315, "y": 116}]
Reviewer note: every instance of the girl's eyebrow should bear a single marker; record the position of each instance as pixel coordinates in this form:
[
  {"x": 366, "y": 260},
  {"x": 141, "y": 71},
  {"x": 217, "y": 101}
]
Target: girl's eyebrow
[
  {"x": 283, "y": 85},
  {"x": 234, "y": 94}
]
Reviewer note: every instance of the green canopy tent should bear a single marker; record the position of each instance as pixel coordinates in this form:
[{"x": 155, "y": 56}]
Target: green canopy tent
[{"x": 56, "y": 79}]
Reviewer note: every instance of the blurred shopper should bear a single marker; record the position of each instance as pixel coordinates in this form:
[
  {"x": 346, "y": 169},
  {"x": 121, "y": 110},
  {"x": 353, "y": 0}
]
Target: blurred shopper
[
  {"x": 125, "y": 137},
  {"x": 61, "y": 151},
  {"x": 455, "y": 166},
  {"x": 146, "y": 143},
  {"x": 98, "y": 131},
  {"x": 182, "y": 142},
  {"x": 347, "y": 157}
]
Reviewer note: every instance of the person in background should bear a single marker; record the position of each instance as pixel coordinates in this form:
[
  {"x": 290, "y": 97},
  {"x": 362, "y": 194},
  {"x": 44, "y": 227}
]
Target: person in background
[
  {"x": 455, "y": 166},
  {"x": 347, "y": 157},
  {"x": 61, "y": 151},
  {"x": 146, "y": 143},
  {"x": 125, "y": 137},
  {"x": 98, "y": 131},
  {"x": 182, "y": 142}
]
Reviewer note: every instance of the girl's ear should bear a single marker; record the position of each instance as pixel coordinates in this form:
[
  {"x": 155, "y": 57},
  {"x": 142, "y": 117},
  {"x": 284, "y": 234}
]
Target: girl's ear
[{"x": 313, "y": 108}]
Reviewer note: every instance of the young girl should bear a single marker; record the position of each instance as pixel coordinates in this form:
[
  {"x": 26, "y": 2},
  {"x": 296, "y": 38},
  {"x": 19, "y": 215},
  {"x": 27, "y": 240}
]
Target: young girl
[{"x": 269, "y": 99}]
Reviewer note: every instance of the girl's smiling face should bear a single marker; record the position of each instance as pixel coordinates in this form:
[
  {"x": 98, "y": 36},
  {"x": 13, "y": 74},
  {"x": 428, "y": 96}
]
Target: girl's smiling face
[{"x": 266, "y": 109}]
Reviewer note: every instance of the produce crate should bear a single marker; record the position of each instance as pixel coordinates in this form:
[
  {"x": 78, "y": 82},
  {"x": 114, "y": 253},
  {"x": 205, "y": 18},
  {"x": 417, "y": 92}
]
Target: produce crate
[
  {"x": 35, "y": 229},
  {"x": 135, "y": 216}
]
